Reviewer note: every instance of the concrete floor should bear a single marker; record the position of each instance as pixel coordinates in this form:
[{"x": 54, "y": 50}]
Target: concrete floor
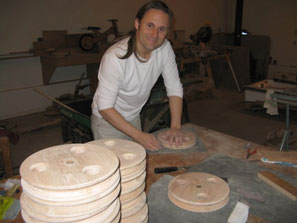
[{"x": 225, "y": 112}]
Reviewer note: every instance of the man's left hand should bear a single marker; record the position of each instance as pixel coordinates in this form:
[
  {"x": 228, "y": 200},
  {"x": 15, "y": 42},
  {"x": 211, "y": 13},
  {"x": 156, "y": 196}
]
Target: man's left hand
[{"x": 175, "y": 136}]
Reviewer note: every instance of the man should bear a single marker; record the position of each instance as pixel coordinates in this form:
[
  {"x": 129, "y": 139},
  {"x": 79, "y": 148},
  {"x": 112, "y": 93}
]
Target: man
[{"x": 128, "y": 71}]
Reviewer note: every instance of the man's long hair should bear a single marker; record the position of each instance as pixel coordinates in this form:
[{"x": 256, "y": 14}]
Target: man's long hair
[{"x": 159, "y": 5}]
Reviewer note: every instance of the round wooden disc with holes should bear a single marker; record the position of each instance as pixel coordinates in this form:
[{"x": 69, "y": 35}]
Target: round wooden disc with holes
[
  {"x": 189, "y": 140},
  {"x": 129, "y": 153},
  {"x": 133, "y": 171},
  {"x": 133, "y": 184},
  {"x": 69, "y": 166},
  {"x": 109, "y": 215},
  {"x": 75, "y": 195},
  {"x": 89, "y": 208},
  {"x": 198, "y": 192},
  {"x": 126, "y": 198},
  {"x": 140, "y": 216},
  {"x": 133, "y": 206},
  {"x": 135, "y": 174}
]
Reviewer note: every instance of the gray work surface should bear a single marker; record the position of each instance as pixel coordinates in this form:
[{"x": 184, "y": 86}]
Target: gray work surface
[
  {"x": 198, "y": 147},
  {"x": 263, "y": 200}
]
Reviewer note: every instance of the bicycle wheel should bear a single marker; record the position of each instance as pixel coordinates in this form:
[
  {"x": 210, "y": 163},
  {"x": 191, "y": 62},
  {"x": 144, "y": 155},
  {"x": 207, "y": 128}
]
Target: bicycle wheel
[{"x": 86, "y": 42}]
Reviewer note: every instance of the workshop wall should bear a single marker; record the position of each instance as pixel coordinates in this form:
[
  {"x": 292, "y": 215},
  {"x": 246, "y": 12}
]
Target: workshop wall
[
  {"x": 277, "y": 19},
  {"x": 22, "y": 22}
]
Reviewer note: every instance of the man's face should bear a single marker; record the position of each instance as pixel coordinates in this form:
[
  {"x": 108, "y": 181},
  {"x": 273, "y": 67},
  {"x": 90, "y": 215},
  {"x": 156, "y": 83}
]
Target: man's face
[{"x": 151, "y": 31}]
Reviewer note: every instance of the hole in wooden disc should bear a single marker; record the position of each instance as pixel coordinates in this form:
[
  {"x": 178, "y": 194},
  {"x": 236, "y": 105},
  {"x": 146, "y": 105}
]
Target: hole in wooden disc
[
  {"x": 129, "y": 156},
  {"x": 78, "y": 149},
  {"x": 110, "y": 143},
  {"x": 212, "y": 180},
  {"x": 69, "y": 162},
  {"x": 38, "y": 167},
  {"x": 202, "y": 196},
  {"x": 91, "y": 170}
]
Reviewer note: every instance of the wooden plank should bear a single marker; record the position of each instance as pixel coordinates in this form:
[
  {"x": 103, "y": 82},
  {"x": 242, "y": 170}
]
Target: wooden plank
[
  {"x": 54, "y": 35},
  {"x": 279, "y": 184},
  {"x": 5, "y": 150}
]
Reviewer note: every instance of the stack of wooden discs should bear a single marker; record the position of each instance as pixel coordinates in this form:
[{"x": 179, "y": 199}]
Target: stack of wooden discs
[
  {"x": 198, "y": 192},
  {"x": 71, "y": 183},
  {"x": 132, "y": 158}
]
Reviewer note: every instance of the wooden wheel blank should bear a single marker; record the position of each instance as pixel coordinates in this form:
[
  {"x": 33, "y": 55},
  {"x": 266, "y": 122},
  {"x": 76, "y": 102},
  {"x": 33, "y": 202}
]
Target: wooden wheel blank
[
  {"x": 139, "y": 217},
  {"x": 133, "y": 206},
  {"x": 126, "y": 198},
  {"x": 109, "y": 215},
  {"x": 69, "y": 166},
  {"x": 89, "y": 208},
  {"x": 189, "y": 137},
  {"x": 198, "y": 191},
  {"x": 101, "y": 189},
  {"x": 133, "y": 184},
  {"x": 130, "y": 153}
]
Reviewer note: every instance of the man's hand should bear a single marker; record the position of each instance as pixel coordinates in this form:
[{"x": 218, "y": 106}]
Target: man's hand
[
  {"x": 175, "y": 136},
  {"x": 148, "y": 141}
]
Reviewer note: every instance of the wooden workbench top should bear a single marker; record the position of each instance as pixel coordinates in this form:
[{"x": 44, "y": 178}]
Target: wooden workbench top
[{"x": 215, "y": 142}]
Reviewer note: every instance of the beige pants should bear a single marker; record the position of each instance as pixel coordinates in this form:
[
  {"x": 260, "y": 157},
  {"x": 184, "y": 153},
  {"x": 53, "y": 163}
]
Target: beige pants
[{"x": 103, "y": 130}]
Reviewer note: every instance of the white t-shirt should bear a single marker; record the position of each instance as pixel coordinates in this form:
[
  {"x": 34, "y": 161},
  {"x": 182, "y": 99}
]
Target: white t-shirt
[{"x": 125, "y": 84}]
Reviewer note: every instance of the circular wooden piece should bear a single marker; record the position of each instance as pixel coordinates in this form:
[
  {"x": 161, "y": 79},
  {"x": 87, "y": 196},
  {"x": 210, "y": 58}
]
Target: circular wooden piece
[
  {"x": 130, "y": 153},
  {"x": 69, "y": 166},
  {"x": 103, "y": 188},
  {"x": 199, "y": 208},
  {"x": 135, "y": 175},
  {"x": 109, "y": 215},
  {"x": 133, "y": 184},
  {"x": 198, "y": 189},
  {"x": 133, "y": 206},
  {"x": 139, "y": 217},
  {"x": 133, "y": 171},
  {"x": 126, "y": 198},
  {"x": 90, "y": 208},
  {"x": 189, "y": 137}
]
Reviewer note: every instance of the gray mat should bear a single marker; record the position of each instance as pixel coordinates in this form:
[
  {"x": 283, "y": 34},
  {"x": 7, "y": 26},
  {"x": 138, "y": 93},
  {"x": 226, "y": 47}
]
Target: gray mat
[
  {"x": 198, "y": 147},
  {"x": 263, "y": 200}
]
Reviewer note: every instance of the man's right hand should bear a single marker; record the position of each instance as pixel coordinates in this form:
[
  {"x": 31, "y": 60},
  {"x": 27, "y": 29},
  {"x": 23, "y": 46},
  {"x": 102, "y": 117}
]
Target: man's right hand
[{"x": 148, "y": 141}]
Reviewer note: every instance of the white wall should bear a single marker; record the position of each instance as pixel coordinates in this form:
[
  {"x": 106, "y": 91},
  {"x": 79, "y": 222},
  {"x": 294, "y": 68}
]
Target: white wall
[
  {"x": 277, "y": 19},
  {"x": 22, "y": 22}
]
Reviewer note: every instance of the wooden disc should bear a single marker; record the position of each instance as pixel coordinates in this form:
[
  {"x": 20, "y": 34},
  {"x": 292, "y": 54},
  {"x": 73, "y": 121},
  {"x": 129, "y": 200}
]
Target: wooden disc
[
  {"x": 133, "y": 176},
  {"x": 139, "y": 217},
  {"x": 199, "y": 208},
  {"x": 69, "y": 166},
  {"x": 189, "y": 137},
  {"x": 133, "y": 184},
  {"x": 198, "y": 189},
  {"x": 126, "y": 198},
  {"x": 133, "y": 206},
  {"x": 109, "y": 215},
  {"x": 130, "y": 153},
  {"x": 90, "y": 208},
  {"x": 133, "y": 171},
  {"x": 103, "y": 188}
]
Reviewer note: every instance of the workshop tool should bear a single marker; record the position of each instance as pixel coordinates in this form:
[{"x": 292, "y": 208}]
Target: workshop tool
[
  {"x": 227, "y": 54},
  {"x": 170, "y": 169},
  {"x": 266, "y": 160},
  {"x": 288, "y": 98},
  {"x": 250, "y": 152}
]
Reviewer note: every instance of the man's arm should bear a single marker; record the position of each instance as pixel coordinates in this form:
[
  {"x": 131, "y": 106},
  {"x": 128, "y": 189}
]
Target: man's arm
[
  {"x": 174, "y": 134},
  {"x": 117, "y": 120}
]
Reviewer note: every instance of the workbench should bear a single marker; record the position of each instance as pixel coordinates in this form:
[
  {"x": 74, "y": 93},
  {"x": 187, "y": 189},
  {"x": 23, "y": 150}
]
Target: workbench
[{"x": 215, "y": 143}]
